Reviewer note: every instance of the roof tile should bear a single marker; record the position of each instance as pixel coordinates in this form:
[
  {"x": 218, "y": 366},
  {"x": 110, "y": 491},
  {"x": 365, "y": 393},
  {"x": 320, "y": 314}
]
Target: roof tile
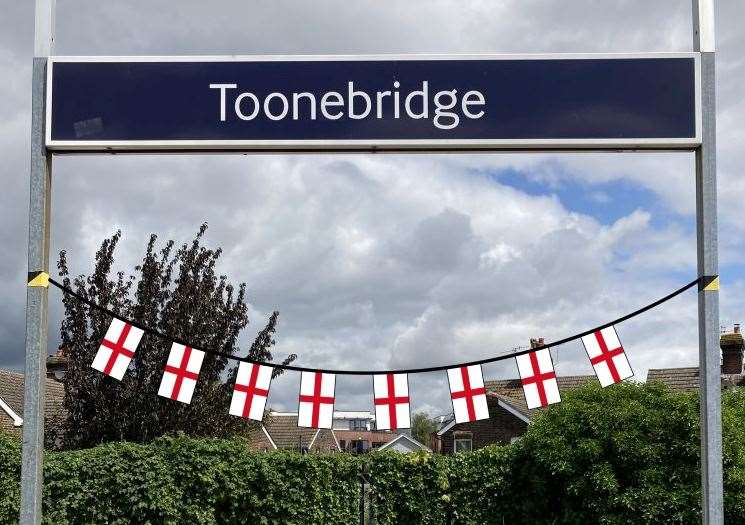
[
  {"x": 286, "y": 434},
  {"x": 11, "y": 391}
]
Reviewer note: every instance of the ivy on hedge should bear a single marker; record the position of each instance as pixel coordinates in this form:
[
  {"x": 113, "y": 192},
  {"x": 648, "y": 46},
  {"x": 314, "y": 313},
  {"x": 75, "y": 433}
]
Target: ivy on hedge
[{"x": 627, "y": 454}]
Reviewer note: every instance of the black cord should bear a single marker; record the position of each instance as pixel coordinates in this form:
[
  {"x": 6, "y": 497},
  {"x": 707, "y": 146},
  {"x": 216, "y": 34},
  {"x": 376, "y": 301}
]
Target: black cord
[{"x": 494, "y": 359}]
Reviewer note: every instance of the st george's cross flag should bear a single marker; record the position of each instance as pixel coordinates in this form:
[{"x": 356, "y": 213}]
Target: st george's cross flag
[
  {"x": 181, "y": 373},
  {"x": 538, "y": 378},
  {"x": 117, "y": 349},
  {"x": 316, "y": 400},
  {"x": 250, "y": 391},
  {"x": 391, "y": 398},
  {"x": 607, "y": 356},
  {"x": 468, "y": 394}
]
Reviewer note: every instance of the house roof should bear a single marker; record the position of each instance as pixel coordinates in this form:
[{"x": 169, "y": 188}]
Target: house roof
[
  {"x": 513, "y": 387},
  {"x": 683, "y": 379},
  {"x": 511, "y": 390},
  {"x": 687, "y": 379},
  {"x": 518, "y": 407},
  {"x": 509, "y": 394},
  {"x": 284, "y": 432},
  {"x": 259, "y": 438},
  {"x": 405, "y": 437},
  {"x": 11, "y": 392}
]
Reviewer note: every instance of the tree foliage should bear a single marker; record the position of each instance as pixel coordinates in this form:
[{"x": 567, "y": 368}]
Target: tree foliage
[
  {"x": 177, "y": 292},
  {"x": 422, "y": 427}
]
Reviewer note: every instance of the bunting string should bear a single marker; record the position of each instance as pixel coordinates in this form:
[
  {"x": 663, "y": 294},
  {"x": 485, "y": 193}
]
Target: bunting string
[{"x": 501, "y": 357}]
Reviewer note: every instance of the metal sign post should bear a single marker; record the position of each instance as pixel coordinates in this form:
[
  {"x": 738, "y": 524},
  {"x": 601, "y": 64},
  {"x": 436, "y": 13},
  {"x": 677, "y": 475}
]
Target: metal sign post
[
  {"x": 712, "y": 491},
  {"x": 38, "y": 261},
  {"x": 409, "y": 103}
]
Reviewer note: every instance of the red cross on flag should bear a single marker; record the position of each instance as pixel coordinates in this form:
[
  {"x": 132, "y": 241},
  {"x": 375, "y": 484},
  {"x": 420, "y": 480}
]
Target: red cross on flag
[
  {"x": 391, "y": 401},
  {"x": 250, "y": 391},
  {"x": 538, "y": 378},
  {"x": 316, "y": 407},
  {"x": 607, "y": 356},
  {"x": 181, "y": 373},
  {"x": 468, "y": 394},
  {"x": 117, "y": 349}
]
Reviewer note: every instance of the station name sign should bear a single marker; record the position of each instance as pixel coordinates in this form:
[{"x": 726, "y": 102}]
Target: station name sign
[{"x": 369, "y": 103}]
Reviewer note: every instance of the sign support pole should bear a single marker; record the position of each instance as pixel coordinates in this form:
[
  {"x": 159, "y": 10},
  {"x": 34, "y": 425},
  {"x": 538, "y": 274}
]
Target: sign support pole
[
  {"x": 38, "y": 261},
  {"x": 712, "y": 493}
]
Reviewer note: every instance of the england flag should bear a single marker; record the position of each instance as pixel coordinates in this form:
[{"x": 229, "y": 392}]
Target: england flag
[
  {"x": 468, "y": 394},
  {"x": 607, "y": 356},
  {"x": 250, "y": 391},
  {"x": 316, "y": 400},
  {"x": 181, "y": 373},
  {"x": 391, "y": 401},
  {"x": 117, "y": 349},
  {"x": 538, "y": 378}
]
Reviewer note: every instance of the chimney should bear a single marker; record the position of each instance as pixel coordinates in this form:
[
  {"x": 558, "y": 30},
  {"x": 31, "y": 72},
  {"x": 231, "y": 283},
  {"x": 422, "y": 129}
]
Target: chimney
[
  {"x": 57, "y": 364},
  {"x": 733, "y": 346},
  {"x": 535, "y": 343}
]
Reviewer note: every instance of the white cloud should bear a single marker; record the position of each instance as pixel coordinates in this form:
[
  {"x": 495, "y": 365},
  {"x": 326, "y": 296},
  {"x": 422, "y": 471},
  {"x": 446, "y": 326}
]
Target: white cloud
[{"x": 386, "y": 261}]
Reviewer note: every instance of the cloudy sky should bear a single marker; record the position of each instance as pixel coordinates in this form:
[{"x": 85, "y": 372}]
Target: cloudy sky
[{"x": 391, "y": 260}]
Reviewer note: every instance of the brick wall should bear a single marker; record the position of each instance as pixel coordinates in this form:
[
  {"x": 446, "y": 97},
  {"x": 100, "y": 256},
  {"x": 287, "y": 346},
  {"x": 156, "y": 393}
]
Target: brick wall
[{"x": 500, "y": 428}]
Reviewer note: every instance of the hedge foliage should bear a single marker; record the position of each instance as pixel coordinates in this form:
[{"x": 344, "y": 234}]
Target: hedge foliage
[{"x": 627, "y": 454}]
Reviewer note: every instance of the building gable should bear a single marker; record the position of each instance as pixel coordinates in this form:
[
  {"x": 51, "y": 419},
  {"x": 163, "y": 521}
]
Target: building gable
[{"x": 501, "y": 428}]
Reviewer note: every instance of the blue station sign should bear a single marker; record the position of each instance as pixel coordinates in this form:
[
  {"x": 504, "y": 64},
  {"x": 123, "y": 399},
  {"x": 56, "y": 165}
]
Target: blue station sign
[{"x": 371, "y": 103}]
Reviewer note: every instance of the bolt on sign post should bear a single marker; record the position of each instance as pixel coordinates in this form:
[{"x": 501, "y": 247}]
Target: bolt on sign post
[{"x": 374, "y": 104}]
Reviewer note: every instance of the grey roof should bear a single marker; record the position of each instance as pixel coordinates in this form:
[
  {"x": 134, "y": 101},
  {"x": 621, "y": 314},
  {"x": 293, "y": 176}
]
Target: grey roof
[
  {"x": 405, "y": 437},
  {"x": 682, "y": 379},
  {"x": 510, "y": 391},
  {"x": 513, "y": 387},
  {"x": 519, "y": 405},
  {"x": 11, "y": 391},
  {"x": 286, "y": 434},
  {"x": 687, "y": 380}
]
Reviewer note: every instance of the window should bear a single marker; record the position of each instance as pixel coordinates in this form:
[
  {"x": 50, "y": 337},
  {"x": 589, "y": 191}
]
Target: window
[
  {"x": 463, "y": 445},
  {"x": 462, "y": 442},
  {"x": 358, "y": 424}
]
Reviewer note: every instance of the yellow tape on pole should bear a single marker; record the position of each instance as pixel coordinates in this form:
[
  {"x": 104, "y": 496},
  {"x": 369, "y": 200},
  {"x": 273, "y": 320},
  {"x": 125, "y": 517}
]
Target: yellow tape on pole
[{"x": 38, "y": 280}]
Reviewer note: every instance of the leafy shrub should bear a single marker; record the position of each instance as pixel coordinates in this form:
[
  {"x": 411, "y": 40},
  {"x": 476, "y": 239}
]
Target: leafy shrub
[
  {"x": 10, "y": 473},
  {"x": 413, "y": 487},
  {"x": 624, "y": 454}
]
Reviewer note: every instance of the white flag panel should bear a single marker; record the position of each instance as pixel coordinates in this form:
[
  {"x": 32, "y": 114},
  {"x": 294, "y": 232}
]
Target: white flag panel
[
  {"x": 391, "y": 399},
  {"x": 607, "y": 356},
  {"x": 181, "y": 373},
  {"x": 468, "y": 394},
  {"x": 117, "y": 349},
  {"x": 316, "y": 400},
  {"x": 251, "y": 391},
  {"x": 538, "y": 378}
]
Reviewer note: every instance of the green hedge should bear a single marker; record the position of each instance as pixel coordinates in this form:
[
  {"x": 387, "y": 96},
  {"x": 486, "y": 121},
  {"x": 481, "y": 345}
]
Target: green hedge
[
  {"x": 182, "y": 480},
  {"x": 626, "y": 454}
]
